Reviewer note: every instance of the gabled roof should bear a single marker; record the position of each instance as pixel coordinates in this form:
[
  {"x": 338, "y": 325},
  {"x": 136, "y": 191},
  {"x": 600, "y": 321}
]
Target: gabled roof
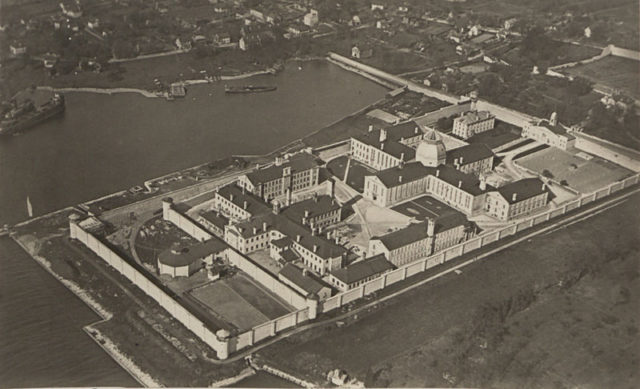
[
  {"x": 282, "y": 243},
  {"x": 391, "y": 144},
  {"x": 305, "y": 282},
  {"x": 418, "y": 231},
  {"x": 404, "y": 130},
  {"x": 298, "y": 163},
  {"x": 470, "y": 153},
  {"x": 524, "y": 189},
  {"x": 289, "y": 256},
  {"x": 409, "y": 172},
  {"x": 215, "y": 218},
  {"x": 319, "y": 205},
  {"x": 187, "y": 255},
  {"x": 361, "y": 270},
  {"x": 467, "y": 182},
  {"x": 254, "y": 204}
]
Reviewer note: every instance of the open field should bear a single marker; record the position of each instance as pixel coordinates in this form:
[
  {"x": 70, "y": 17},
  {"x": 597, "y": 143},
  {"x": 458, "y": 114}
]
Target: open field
[
  {"x": 226, "y": 302},
  {"x": 582, "y": 175},
  {"x": 613, "y": 72},
  {"x": 424, "y": 207},
  {"x": 239, "y": 301},
  {"x": 434, "y": 330},
  {"x": 501, "y": 134}
]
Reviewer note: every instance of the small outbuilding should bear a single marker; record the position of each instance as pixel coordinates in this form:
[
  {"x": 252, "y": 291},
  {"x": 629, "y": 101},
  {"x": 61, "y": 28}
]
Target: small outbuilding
[{"x": 181, "y": 261}]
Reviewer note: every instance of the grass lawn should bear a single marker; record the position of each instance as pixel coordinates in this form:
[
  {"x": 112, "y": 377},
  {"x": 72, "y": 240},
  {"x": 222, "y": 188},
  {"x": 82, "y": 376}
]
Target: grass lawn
[
  {"x": 411, "y": 341},
  {"x": 221, "y": 298},
  {"x": 270, "y": 305},
  {"x": 582, "y": 175},
  {"x": 613, "y": 72}
]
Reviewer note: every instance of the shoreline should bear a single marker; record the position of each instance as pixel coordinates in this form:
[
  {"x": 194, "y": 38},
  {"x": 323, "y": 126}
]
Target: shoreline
[{"x": 124, "y": 361}]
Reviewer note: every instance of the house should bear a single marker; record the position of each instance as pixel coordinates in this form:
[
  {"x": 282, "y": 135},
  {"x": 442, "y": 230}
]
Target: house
[
  {"x": 517, "y": 199},
  {"x": 222, "y": 38},
  {"x": 311, "y": 19},
  {"x": 297, "y": 29},
  {"x": 355, "y": 21},
  {"x": 474, "y": 158},
  {"x": 361, "y": 51},
  {"x": 377, "y": 6},
  {"x": 470, "y": 123},
  {"x": 422, "y": 239},
  {"x": 71, "y": 8},
  {"x": 50, "y": 60},
  {"x": 549, "y": 132},
  {"x": 303, "y": 282},
  {"x": 17, "y": 49},
  {"x": 300, "y": 171},
  {"x": 183, "y": 261},
  {"x": 358, "y": 273}
]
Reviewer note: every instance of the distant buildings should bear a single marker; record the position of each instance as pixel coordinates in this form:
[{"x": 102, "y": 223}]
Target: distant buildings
[
  {"x": 361, "y": 51},
  {"x": 421, "y": 239},
  {"x": 311, "y": 19},
  {"x": 517, "y": 199},
  {"x": 358, "y": 273},
  {"x": 549, "y": 132},
  {"x": 473, "y": 122}
]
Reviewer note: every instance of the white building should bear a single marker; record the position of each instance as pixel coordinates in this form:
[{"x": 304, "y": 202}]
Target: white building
[
  {"x": 473, "y": 122},
  {"x": 549, "y": 132}
]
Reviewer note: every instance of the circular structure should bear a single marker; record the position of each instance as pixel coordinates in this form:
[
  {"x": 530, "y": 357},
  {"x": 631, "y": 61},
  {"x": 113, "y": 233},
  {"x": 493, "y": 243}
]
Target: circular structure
[
  {"x": 178, "y": 261},
  {"x": 431, "y": 151}
]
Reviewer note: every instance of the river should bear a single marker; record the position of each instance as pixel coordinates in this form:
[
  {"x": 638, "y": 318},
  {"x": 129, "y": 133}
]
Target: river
[{"x": 106, "y": 143}]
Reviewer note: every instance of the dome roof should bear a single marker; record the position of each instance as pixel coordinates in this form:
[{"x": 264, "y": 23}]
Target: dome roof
[{"x": 431, "y": 151}]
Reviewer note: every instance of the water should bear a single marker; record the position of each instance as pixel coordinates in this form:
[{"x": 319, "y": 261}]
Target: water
[{"x": 105, "y": 143}]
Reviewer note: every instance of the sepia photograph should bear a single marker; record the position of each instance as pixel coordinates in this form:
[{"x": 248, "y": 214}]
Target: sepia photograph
[{"x": 320, "y": 194}]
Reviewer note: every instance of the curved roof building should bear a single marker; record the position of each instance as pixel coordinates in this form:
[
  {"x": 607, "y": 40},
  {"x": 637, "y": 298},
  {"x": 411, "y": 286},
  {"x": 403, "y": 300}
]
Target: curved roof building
[{"x": 431, "y": 151}]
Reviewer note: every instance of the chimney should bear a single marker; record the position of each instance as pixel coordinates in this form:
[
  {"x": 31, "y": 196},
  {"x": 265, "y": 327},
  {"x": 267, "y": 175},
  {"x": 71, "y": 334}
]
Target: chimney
[
  {"x": 417, "y": 130},
  {"x": 461, "y": 159},
  {"x": 337, "y": 239},
  {"x": 543, "y": 186},
  {"x": 255, "y": 230},
  {"x": 306, "y": 213},
  {"x": 483, "y": 183},
  {"x": 402, "y": 156},
  {"x": 313, "y": 231},
  {"x": 298, "y": 238},
  {"x": 381, "y": 146},
  {"x": 399, "y": 178},
  {"x": 276, "y": 207},
  {"x": 437, "y": 172},
  {"x": 243, "y": 190},
  {"x": 455, "y": 161},
  {"x": 245, "y": 204},
  {"x": 304, "y": 272},
  {"x": 315, "y": 248},
  {"x": 264, "y": 226},
  {"x": 383, "y": 135},
  {"x": 514, "y": 197},
  {"x": 459, "y": 183},
  {"x": 231, "y": 197},
  {"x": 431, "y": 227},
  {"x": 328, "y": 234},
  {"x": 370, "y": 127}
]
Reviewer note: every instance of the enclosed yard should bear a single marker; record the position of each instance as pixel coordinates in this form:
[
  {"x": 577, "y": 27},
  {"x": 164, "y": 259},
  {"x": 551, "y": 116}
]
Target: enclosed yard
[
  {"x": 424, "y": 207},
  {"x": 613, "y": 72},
  {"x": 240, "y": 302},
  {"x": 581, "y": 174}
]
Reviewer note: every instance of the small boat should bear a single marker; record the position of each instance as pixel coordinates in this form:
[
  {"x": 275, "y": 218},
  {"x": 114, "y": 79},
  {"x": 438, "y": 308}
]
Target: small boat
[
  {"x": 249, "y": 89},
  {"x": 29, "y": 208}
]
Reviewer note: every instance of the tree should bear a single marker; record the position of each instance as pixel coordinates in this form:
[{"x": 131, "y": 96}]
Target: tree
[{"x": 546, "y": 173}]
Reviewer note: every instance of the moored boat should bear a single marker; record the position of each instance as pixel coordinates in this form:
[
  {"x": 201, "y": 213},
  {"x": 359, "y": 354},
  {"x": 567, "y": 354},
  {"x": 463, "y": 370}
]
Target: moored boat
[
  {"x": 28, "y": 115},
  {"x": 249, "y": 88}
]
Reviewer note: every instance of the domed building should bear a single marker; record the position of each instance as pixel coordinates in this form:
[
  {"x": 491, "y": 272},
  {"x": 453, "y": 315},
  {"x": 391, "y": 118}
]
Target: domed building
[{"x": 431, "y": 151}]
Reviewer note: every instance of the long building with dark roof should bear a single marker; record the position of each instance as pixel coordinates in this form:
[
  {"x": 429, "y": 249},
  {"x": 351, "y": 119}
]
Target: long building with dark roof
[
  {"x": 421, "y": 239},
  {"x": 462, "y": 191},
  {"x": 474, "y": 158},
  {"x": 358, "y": 273},
  {"x": 299, "y": 172},
  {"x": 517, "y": 199},
  {"x": 388, "y": 147}
]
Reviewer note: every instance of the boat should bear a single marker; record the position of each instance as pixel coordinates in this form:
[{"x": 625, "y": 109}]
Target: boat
[
  {"x": 249, "y": 89},
  {"x": 27, "y": 115}
]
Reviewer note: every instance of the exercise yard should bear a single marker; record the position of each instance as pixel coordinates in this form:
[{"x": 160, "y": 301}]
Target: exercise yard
[
  {"x": 240, "y": 302},
  {"x": 424, "y": 207},
  {"x": 581, "y": 174}
]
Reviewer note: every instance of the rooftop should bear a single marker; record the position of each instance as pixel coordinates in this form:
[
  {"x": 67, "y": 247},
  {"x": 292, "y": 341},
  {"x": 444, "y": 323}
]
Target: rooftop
[
  {"x": 185, "y": 256},
  {"x": 215, "y": 218},
  {"x": 467, "y": 182},
  {"x": 399, "y": 175},
  {"x": 305, "y": 282},
  {"x": 363, "y": 269},
  {"x": 238, "y": 197},
  {"x": 418, "y": 231},
  {"x": 523, "y": 189},
  {"x": 471, "y": 117},
  {"x": 470, "y": 153},
  {"x": 319, "y": 205},
  {"x": 556, "y": 129},
  {"x": 298, "y": 162},
  {"x": 390, "y": 146}
]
